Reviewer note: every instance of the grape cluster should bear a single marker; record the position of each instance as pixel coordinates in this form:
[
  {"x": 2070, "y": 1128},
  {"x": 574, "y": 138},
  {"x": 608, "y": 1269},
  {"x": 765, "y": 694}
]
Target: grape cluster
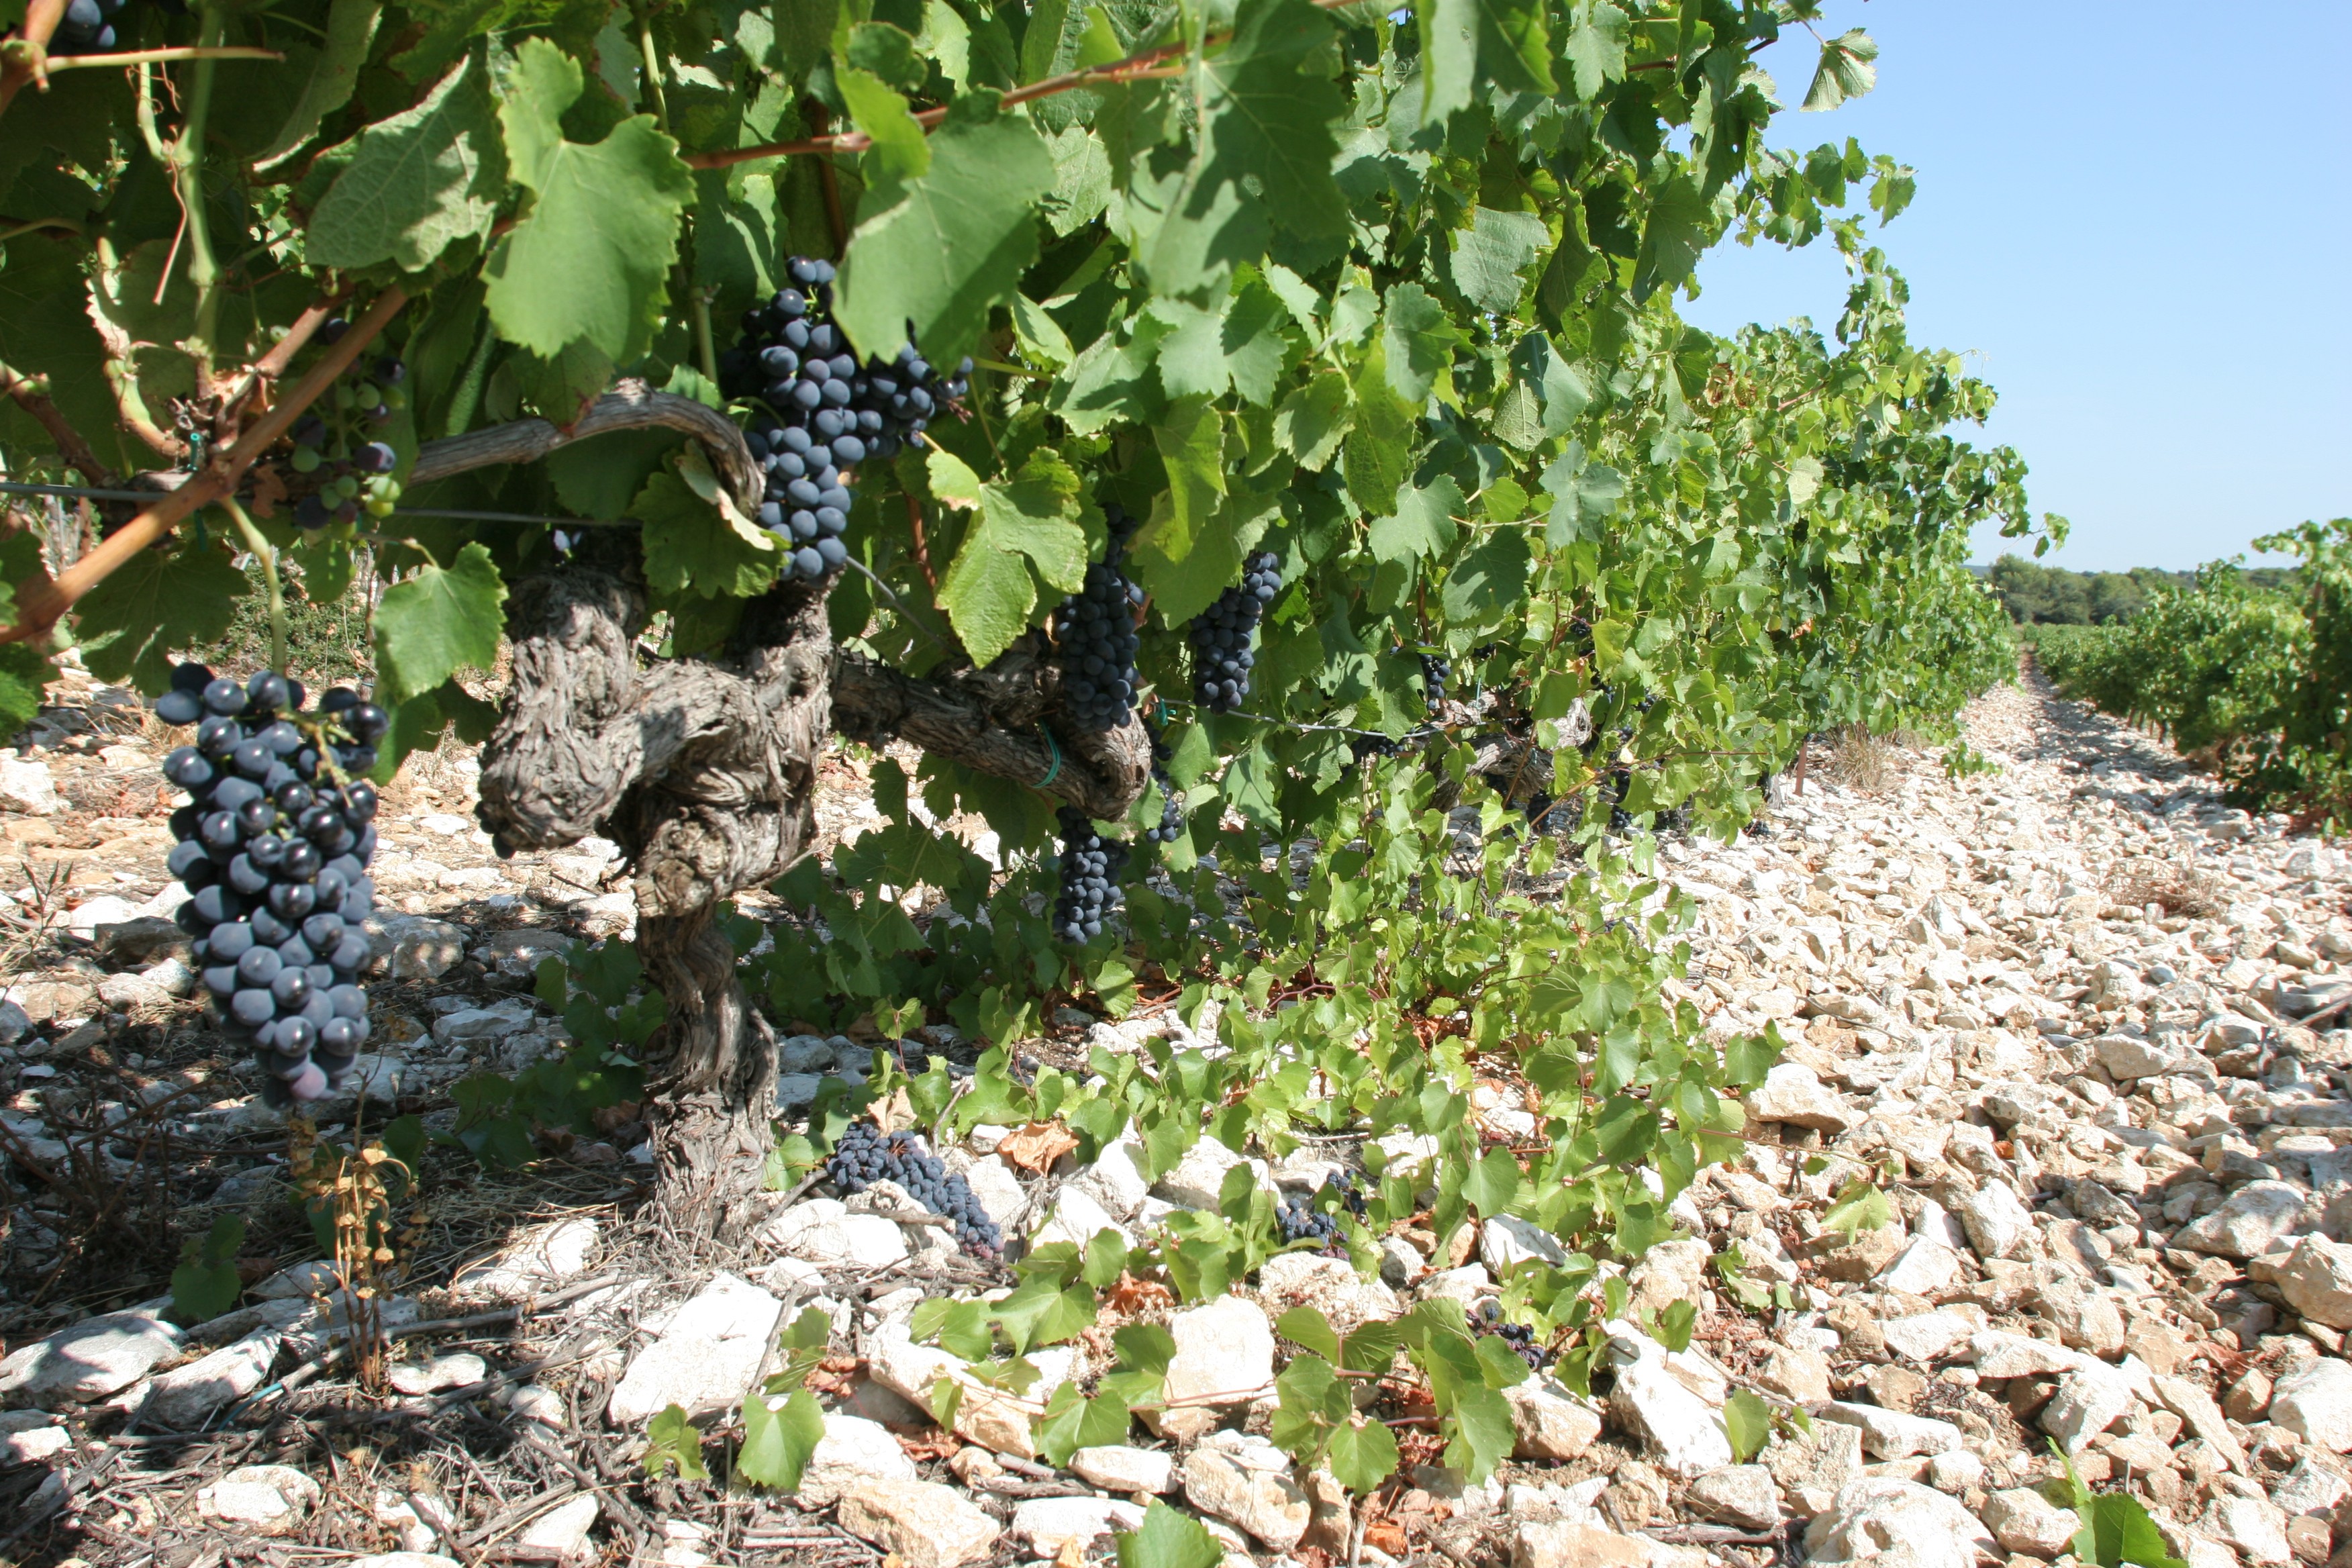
[
  {"x": 1299, "y": 1220},
  {"x": 1170, "y": 826},
  {"x": 86, "y": 28},
  {"x": 826, "y": 413},
  {"x": 1488, "y": 1318},
  {"x": 1090, "y": 865},
  {"x": 1223, "y": 635},
  {"x": 354, "y": 468},
  {"x": 1094, "y": 636},
  {"x": 274, "y": 854},
  {"x": 1435, "y": 671},
  {"x": 866, "y": 1155}
]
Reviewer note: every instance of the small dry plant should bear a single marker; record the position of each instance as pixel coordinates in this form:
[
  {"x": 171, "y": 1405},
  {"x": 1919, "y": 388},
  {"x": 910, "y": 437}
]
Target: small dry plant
[
  {"x": 1862, "y": 761},
  {"x": 349, "y": 1196},
  {"x": 2181, "y": 885}
]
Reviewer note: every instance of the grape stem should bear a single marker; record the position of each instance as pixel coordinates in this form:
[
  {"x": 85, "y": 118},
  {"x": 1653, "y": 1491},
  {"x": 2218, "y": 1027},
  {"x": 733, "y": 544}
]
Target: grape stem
[
  {"x": 188, "y": 164},
  {"x": 268, "y": 555},
  {"x": 162, "y": 56}
]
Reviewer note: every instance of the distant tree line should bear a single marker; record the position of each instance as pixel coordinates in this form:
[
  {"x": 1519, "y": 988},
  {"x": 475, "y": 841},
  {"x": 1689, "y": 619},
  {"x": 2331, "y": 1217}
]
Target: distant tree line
[{"x": 2052, "y": 595}]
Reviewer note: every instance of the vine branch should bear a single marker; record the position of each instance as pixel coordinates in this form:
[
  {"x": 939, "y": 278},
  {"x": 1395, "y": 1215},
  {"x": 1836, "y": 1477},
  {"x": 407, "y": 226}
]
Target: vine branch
[
  {"x": 32, "y": 396},
  {"x": 40, "y": 604},
  {"x": 630, "y": 405}
]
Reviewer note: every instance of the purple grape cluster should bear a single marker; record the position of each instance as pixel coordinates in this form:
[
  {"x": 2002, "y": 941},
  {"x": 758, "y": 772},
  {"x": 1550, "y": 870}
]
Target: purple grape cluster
[
  {"x": 1517, "y": 1337},
  {"x": 86, "y": 28},
  {"x": 354, "y": 468},
  {"x": 1090, "y": 865},
  {"x": 1224, "y": 634},
  {"x": 1094, "y": 636},
  {"x": 865, "y": 1156},
  {"x": 273, "y": 850},
  {"x": 825, "y": 412}
]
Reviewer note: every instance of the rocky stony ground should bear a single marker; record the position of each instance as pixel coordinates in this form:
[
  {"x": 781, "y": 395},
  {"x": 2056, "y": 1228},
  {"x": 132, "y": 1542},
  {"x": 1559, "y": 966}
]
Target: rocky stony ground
[{"x": 2085, "y": 1026}]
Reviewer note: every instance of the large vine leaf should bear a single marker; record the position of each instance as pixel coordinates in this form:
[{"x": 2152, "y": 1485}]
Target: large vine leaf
[
  {"x": 591, "y": 258},
  {"x": 415, "y": 185},
  {"x": 437, "y": 622},
  {"x": 940, "y": 250},
  {"x": 1028, "y": 526},
  {"x": 695, "y": 541},
  {"x": 156, "y": 605}
]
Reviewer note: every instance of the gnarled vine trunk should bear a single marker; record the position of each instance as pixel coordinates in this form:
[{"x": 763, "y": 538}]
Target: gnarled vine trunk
[{"x": 704, "y": 771}]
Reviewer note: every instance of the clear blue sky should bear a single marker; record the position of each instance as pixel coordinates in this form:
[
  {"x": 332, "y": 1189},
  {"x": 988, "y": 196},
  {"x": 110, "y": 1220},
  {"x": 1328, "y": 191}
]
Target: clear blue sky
[{"x": 2138, "y": 221}]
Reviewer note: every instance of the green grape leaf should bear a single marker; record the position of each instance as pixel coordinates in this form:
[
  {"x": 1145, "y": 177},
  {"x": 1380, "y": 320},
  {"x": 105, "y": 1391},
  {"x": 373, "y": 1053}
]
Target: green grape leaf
[
  {"x": 1860, "y": 1206},
  {"x": 940, "y": 250},
  {"x": 1360, "y": 1455},
  {"x": 1419, "y": 339},
  {"x": 1848, "y": 69},
  {"x": 672, "y": 1442},
  {"x": 1469, "y": 43},
  {"x": 155, "y": 605},
  {"x": 881, "y": 111},
  {"x": 1071, "y": 1421},
  {"x": 1263, "y": 159},
  {"x": 1489, "y": 259},
  {"x": 205, "y": 1284},
  {"x": 1748, "y": 1424},
  {"x": 1676, "y": 232},
  {"x": 1422, "y": 526},
  {"x": 591, "y": 257},
  {"x": 417, "y": 183},
  {"x": 1167, "y": 1539},
  {"x": 1314, "y": 419},
  {"x": 1028, "y": 526},
  {"x": 2117, "y": 1531},
  {"x": 778, "y": 1438},
  {"x": 1482, "y": 1436},
  {"x": 1493, "y": 1181},
  {"x": 1309, "y": 1330},
  {"x": 437, "y": 622},
  {"x": 1595, "y": 46},
  {"x": 696, "y": 542}
]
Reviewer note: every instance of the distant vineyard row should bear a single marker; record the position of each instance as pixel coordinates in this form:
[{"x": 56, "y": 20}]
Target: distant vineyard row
[{"x": 2258, "y": 678}]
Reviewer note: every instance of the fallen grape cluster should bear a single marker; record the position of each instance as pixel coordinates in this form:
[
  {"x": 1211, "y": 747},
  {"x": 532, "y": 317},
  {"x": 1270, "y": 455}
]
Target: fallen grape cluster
[
  {"x": 1488, "y": 1318},
  {"x": 1224, "y": 634},
  {"x": 274, "y": 854},
  {"x": 866, "y": 1155},
  {"x": 1094, "y": 636},
  {"x": 355, "y": 467},
  {"x": 825, "y": 413},
  {"x": 1090, "y": 865}
]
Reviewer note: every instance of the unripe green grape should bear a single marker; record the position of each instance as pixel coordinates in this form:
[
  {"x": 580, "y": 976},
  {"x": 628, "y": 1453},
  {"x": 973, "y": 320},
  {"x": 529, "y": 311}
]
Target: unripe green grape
[
  {"x": 393, "y": 397},
  {"x": 344, "y": 397},
  {"x": 379, "y": 506},
  {"x": 347, "y": 487},
  {"x": 305, "y": 458}
]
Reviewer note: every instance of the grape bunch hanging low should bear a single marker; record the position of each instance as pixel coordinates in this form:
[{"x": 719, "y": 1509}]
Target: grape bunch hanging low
[
  {"x": 1094, "y": 636},
  {"x": 274, "y": 852},
  {"x": 825, "y": 413},
  {"x": 865, "y": 1156},
  {"x": 1090, "y": 866},
  {"x": 1224, "y": 634},
  {"x": 340, "y": 445}
]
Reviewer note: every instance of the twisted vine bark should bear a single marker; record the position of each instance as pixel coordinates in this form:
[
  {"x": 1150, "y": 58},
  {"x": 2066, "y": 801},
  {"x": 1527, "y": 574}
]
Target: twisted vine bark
[{"x": 704, "y": 771}]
